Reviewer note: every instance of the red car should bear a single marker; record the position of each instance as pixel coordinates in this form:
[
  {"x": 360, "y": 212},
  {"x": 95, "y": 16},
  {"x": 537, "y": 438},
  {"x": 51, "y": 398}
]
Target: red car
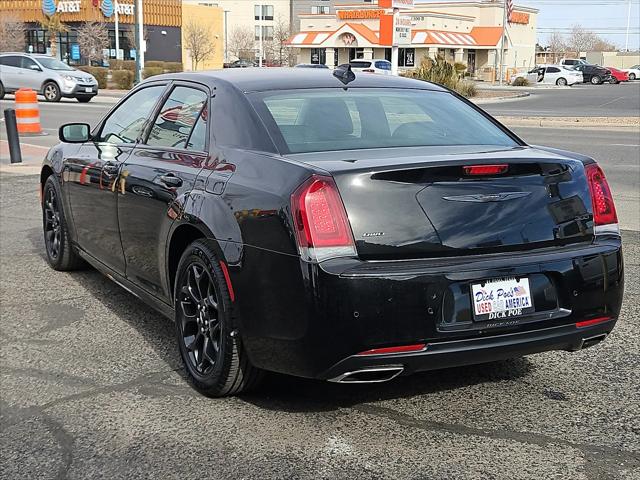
[{"x": 618, "y": 76}]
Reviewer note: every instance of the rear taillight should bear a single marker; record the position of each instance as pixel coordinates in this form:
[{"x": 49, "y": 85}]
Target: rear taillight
[
  {"x": 321, "y": 223},
  {"x": 605, "y": 218}
]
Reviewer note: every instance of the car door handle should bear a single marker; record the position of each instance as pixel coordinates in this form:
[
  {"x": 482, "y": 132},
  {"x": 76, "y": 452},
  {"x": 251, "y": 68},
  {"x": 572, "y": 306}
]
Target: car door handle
[
  {"x": 111, "y": 168},
  {"x": 170, "y": 180}
]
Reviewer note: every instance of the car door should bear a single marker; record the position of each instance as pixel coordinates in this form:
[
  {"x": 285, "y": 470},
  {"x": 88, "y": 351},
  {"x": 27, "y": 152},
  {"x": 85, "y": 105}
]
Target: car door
[
  {"x": 10, "y": 71},
  {"x": 32, "y": 75},
  {"x": 157, "y": 178},
  {"x": 93, "y": 180},
  {"x": 551, "y": 75}
]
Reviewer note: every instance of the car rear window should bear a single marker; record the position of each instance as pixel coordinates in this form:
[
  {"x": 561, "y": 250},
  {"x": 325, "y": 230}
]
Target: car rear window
[
  {"x": 316, "y": 120},
  {"x": 357, "y": 64}
]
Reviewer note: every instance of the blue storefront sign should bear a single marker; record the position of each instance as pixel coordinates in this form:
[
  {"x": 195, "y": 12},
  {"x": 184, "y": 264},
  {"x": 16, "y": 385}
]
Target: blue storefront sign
[{"x": 75, "y": 51}]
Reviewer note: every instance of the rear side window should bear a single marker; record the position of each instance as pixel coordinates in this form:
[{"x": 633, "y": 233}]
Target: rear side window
[
  {"x": 553, "y": 70},
  {"x": 127, "y": 121},
  {"x": 357, "y": 64},
  {"x": 315, "y": 120},
  {"x": 11, "y": 61},
  {"x": 383, "y": 65},
  {"x": 177, "y": 118}
]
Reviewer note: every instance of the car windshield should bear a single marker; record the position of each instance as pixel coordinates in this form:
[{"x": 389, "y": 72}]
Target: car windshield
[
  {"x": 53, "y": 64},
  {"x": 316, "y": 120}
]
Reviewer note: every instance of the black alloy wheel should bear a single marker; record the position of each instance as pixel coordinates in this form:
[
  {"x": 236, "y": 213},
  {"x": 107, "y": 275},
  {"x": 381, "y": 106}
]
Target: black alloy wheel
[
  {"x": 51, "y": 92},
  {"x": 60, "y": 253},
  {"x": 201, "y": 328},
  {"x": 206, "y": 326}
]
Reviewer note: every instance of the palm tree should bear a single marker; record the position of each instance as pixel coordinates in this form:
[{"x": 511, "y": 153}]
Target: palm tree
[{"x": 54, "y": 26}]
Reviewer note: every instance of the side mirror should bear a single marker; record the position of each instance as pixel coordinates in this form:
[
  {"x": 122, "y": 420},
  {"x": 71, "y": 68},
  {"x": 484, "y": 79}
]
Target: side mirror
[
  {"x": 35, "y": 67},
  {"x": 75, "y": 133}
]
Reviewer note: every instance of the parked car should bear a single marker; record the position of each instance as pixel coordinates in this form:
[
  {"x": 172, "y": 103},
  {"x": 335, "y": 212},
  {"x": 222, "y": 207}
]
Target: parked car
[
  {"x": 290, "y": 224},
  {"x": 594, "y": 74},
  {"x": 618, "y": 76},
  {"x": 49, "y": 77},
  {"x": 572, "y": 61},
  {"x": 242, "y": 64},
  {"x": 634, "y": 72},
  {"x": 311, "y": 65},
  {"x": 371, "y": 66},
  {"x": 551, "y": 75}
]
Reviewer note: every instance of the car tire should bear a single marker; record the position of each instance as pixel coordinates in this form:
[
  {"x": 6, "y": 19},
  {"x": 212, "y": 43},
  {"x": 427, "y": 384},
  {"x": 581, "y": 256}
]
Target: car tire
[
  {"x": 562, "y": 82},
  {"x": 2, "y": 92},
  {"x": 595, "y": 80},
  {"x": 51, "y": 92},
  {"x": 61, "y": 255},
  {"x": 84, "y": 99},
  {"x": 613, "y": 81},
  {"x": 206, "y": 326},
  {"x": 632, "y": 76}
]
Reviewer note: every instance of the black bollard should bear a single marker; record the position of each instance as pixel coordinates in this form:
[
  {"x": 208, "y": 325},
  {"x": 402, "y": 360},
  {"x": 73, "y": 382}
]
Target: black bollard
[{"x": 12, "y": 135}]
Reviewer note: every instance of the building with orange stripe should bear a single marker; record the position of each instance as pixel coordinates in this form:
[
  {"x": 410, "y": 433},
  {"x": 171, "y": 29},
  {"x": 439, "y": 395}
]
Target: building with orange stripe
[{"x": 469, "y": 32}]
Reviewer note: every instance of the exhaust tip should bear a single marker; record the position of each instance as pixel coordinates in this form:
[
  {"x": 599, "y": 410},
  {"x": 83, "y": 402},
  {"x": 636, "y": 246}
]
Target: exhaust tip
[
  {"x": 591, "y": 341},
  {"x": 369, "y": 375}
]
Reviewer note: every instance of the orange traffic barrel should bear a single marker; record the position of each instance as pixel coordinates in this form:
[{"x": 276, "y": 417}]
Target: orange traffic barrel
[{"x": 27, "y": 112}]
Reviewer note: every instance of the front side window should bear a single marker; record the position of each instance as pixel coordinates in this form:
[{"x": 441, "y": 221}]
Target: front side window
[
  {"x": 29, "y": 64},
  {"x": 126, "y": 123},
  {"x": 315, "y": 120},
  {"x": 177, "y": 117},
  {"x": 383, "y": 65}
]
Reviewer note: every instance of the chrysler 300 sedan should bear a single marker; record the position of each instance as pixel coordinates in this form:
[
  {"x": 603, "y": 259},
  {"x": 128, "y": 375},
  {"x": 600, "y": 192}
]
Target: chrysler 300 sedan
[{"x": 332, "y": 225}]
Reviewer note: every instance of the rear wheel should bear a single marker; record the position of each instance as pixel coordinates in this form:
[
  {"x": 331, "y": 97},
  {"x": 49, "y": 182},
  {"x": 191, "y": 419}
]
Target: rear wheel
[
  {"x": 613, "y": 81},
  {"x": 211, "y": 349},
  {"x": 562, "y": 82},
  {"x": 632, "y": 76},
  {"x": 51, "y": 92},
  {"x": 2, "y": 92},
  {"x": 596, "y": 80},
  {"x": 60, "y": 253}
]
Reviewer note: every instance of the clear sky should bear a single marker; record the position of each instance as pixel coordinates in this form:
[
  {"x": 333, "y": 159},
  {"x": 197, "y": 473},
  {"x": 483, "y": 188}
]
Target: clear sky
[{"x": 608, "y": 18}]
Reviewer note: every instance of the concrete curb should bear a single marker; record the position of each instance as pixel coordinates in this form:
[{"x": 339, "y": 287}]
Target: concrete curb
[
  {"x": 602, "y": 123},
  {"x": 506, "y": 98}
]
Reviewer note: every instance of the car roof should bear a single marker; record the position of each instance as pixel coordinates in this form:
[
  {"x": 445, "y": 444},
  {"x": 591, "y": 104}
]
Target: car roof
[{"x": 275, "y": 78}]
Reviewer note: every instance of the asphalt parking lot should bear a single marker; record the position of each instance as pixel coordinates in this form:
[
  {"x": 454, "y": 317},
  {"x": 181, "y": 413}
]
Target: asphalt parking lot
[{"x": 91, "y": 384}]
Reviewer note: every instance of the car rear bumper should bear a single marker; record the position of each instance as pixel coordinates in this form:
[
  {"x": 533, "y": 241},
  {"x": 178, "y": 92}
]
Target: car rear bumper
[{"x": 313, "y": 320}]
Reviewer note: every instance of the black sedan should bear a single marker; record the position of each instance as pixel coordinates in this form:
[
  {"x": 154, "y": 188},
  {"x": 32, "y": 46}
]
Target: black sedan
[
  {"x": 333, "y": 226},
  {"x": 594, "y": 74}
]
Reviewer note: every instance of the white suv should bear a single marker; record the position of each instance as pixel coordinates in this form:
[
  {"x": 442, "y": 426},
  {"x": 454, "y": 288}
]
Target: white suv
[
  {"x": 371, "y": 66},
  {"x": 50, "y": 77}
]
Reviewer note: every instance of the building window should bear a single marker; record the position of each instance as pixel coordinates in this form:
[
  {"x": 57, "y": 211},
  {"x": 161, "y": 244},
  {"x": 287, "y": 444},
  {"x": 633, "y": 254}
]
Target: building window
[
  {"x": 318, "y": 56},
  {"x": 267, "y": 12},
  {"x": 320, "y": 9},
  {"x": 406, "y": 57},
  {"x": 267, "y": 32},
  {"x": 355, "y": 53}
]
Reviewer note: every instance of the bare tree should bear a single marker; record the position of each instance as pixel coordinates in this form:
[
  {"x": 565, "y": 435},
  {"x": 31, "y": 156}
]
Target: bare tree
[
  {"x": 93, "y": 38},
  {"x": 279, "y": 48},
  {"x": 11, "y": 33},
  {"x": 556, "y": 42},
  {"x": 130, "y": 35},
  {"x": 242, "y": 43},
  {"x": 583, "y": 40},
  {"x": 54, "y": 27},
  {"x": 198, "y": 39}
]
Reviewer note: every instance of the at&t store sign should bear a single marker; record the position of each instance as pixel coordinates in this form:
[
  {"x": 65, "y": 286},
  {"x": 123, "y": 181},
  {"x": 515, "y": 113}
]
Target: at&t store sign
[{"x": 51, "y": 7}]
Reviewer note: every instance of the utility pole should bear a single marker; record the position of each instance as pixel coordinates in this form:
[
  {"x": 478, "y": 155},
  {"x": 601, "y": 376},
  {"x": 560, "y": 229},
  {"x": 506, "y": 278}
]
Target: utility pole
[
  {"x": 394, "y": 44},
  {"x": 504, "y": 34},
  {"x": 139, "y": 26},
  {"x": 261, "y": 39},
  {"x": 117, "y": 31},
  {"x": 626, "y": 42},
  {"x": 226, "y": 36}
]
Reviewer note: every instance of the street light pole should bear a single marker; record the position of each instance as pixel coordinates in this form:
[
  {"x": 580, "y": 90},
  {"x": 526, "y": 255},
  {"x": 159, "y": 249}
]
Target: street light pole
[
  {"x": 626, "y": 43},
  {"x": 394, "y": 45},
  {"x": 139, "y": 29},
  {"x": 261, "y": 35},
  {"x": 117, "y": 29},
  {"x": 504, "y": 34},
  {"x": 226, "y": 37}
]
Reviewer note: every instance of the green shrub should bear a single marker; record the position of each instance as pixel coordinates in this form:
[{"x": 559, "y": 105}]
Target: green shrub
[
  {"x": 461, "y": 68},
  {"x": 122, "y": 65},
  {"x": 440, "y": 71},
  {"x": 99, "y": 72},
  {"x": 155, "y": 64},
  {"x": 123, "y": 79},
  {"x": 152, "y": 71},
  {"x": 173, "y": 67},
  {"x": 520, "y": 82}
]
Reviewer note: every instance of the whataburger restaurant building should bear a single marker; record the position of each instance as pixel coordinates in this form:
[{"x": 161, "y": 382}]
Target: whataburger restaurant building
[{"x": 467, "y": 32}]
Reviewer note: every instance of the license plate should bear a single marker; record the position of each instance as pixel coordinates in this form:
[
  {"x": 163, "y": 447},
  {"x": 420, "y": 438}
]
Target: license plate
[
  {"x": 88, "y": 89},
  {"x": 501, "y": 298}
]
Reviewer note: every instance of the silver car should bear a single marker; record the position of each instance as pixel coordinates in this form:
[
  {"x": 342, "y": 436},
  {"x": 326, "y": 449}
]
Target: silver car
[{"x": 49, "y": 77}]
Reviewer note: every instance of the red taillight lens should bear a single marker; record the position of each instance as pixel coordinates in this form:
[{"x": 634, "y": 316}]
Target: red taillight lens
[
  {"x": 604, "y": 210},
  {"x": 593, "y": 321},
  {"x": 485, "y": 169},
  {"x": 321, "y": 222}
]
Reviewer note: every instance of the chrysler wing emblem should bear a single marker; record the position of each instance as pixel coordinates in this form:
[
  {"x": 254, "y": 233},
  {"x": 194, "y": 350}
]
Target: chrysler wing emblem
[{"x": 487, "y": 197}]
